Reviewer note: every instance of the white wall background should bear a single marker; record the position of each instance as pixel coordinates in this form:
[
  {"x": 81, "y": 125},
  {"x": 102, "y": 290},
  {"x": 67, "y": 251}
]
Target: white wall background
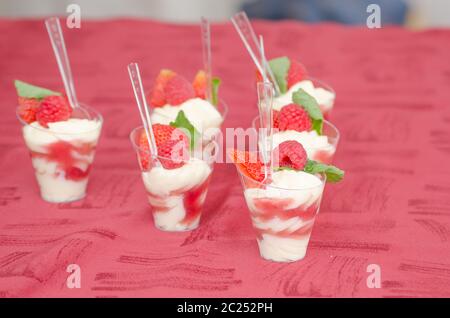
[{"x": 424, "y": 13}]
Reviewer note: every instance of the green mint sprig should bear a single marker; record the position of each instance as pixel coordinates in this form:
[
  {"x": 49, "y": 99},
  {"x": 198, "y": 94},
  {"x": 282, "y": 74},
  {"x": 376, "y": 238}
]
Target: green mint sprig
[
  {"x": 30, "y": 91},
  {"x": 334, "y": 174},
  {"x": 280, "y": 67},
  {"x": 309, "y": 103},
  {"x": 215, "y": 83},
  {"x": 183, "y": 122}
]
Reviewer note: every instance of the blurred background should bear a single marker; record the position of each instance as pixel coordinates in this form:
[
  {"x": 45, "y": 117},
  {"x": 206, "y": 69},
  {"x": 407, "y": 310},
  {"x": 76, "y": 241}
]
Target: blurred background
[{"x": 415, "y": 14}]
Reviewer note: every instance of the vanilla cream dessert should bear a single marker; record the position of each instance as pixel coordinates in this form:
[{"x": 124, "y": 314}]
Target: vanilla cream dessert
[
  {"x": 202, "y": 114},
  {"x": 177, "y": 195},
  {"x": 283, "y": 214},
  {"x": 317, "y": 146},
  {"x": 62, "y": 155},
  {"x": 324, "y": 98}
]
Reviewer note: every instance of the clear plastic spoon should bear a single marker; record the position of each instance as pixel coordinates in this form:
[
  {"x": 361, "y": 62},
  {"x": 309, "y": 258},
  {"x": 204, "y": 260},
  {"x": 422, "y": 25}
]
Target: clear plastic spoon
[
  {"x": 59, "y": 48},
  {"x": 136, "y": 82},
  {"x": 206, "y": 49},
  {"x": 248, "y": 37}
]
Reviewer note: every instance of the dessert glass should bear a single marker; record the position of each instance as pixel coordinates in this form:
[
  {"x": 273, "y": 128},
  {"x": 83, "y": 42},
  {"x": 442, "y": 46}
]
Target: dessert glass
[
  {"x": 282, "y": 218},
  {"x": 321, "y": 154},
  {"x": 176, "y": 196},
  {"x": 62, "y": 161}
]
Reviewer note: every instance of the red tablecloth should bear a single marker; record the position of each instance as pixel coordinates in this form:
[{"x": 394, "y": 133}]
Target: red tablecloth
[{"x": 393, "y": 209}]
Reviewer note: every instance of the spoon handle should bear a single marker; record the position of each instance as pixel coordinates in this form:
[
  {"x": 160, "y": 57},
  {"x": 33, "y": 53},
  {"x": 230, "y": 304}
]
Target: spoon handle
[
  {"x": 59, "y": 48},
  {"x": 206, "y": 48},
  {"x": 136, "y": 82}
]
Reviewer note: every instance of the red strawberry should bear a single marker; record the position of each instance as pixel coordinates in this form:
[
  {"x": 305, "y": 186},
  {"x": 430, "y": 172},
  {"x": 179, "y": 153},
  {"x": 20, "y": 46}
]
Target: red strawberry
[
  {"x": 28, "y": 108},
  {"x": 275, "y": 118},
  {"x": 173, "y": 154},
  {"x": 53, "y": 109},
  {"x": 199, "y": 84},
  {"x": 163, "y": 134},
  {"x": 294, "y": 117},
  {"x": 248, "y": 163},
  {"x": 178, "y": 90},
  {"x": 296, "y": 73},
  {"x": 259, "y": 77},
  {"x": 291, "y": 154},
  {"x": 157, "y": 95}
]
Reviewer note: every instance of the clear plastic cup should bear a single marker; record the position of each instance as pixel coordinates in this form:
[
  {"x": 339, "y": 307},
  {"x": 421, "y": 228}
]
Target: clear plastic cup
[
  {"x": 282, "y": 218},
  {"x": 323, "y": 152},
  {"x": 62, "y": 158},
  {"x": 176, "y": 196}
]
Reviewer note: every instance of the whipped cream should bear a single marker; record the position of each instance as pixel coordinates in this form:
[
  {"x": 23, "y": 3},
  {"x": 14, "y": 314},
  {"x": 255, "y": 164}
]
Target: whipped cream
[
  {"x": 36, "y": 136},
  {"x": 201, "y": 113},
  {"x": 162, "y": 183},
  {"x": 310, "y": 140},
  {"x": 324, "y": 98},
  {"x": 303, "y": 188}
]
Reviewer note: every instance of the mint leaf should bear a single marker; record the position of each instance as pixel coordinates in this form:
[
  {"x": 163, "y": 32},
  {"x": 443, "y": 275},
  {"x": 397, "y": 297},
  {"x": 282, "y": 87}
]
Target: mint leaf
[
  {"x": 280, "y": 67},
  {"x": 182, "y": 122},
  {"x": 215, "y": 83},
  {"x": 309, "y": 103},
  {"x": 30, "y": 91},
  {"x": 333, "y": 173}
]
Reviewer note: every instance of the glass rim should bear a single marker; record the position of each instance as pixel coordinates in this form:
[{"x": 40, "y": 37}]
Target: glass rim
[
  {"x": 326, "y": 122},
  {"x": 147, "y": 151},
  {"x": 81, "y": 105},
  {"x": 321, "y": 83},
  {"x": 323, "y": 180}
]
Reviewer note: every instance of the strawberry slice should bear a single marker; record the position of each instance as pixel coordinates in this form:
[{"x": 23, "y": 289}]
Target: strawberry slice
[
  {"x": 248, "y": 163},
  {"x": 163, "y": 134},
  {"x": 199, "y": 84},
  {"x": 296, "y": 73},
  {"x": 178, "y": 90},
  {"x": 157, "y": 96},
  {"x": 28, "y": 108}
]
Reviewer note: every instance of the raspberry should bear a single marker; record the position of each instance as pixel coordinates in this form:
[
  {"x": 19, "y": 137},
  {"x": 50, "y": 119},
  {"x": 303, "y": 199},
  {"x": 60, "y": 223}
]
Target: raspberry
[
  {"x": 275, "y": 118},
  {"x": 248, "y": 163},
  {"x": 163, "y": 134},
  {"x": 296, "y": 73},
  {"x": 291, "y": 154},
  {"x": 199, "y": 84},
  {"x": 157, "y": 95},
  {"x": 53, "y": 109},
  {"x": 178, "y": 90},
  {"x": 294, "y": 117},
  {"x": 173, "y": 154},
  {"x": 28, "y": 108}
]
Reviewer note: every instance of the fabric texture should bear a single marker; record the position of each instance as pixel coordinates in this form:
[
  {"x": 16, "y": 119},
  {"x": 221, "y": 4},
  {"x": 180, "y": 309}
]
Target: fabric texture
[{"x": 392, "y": 209}]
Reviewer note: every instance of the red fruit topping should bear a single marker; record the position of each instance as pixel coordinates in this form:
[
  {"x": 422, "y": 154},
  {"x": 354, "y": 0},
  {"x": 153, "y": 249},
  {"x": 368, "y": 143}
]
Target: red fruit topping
[
  {"x": 275, "y": 118},
  {"x": 259, "y": 77},
  {"x": 295, "y": 74},
  {"x": 199, "y": 84},
  {"x": 294, "y": 117},
  {"x": 178, "y": 90},
  {"x": 53, "y": 109},
  {"x": 174, "y": 153},
  {"x": 248, "y": 163},
  {"x": 157, "y": 95},
  {"x": 291, "y": 154},
  {"x": 163, "y": 134},
  {"x": 28, "y": 108}
]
